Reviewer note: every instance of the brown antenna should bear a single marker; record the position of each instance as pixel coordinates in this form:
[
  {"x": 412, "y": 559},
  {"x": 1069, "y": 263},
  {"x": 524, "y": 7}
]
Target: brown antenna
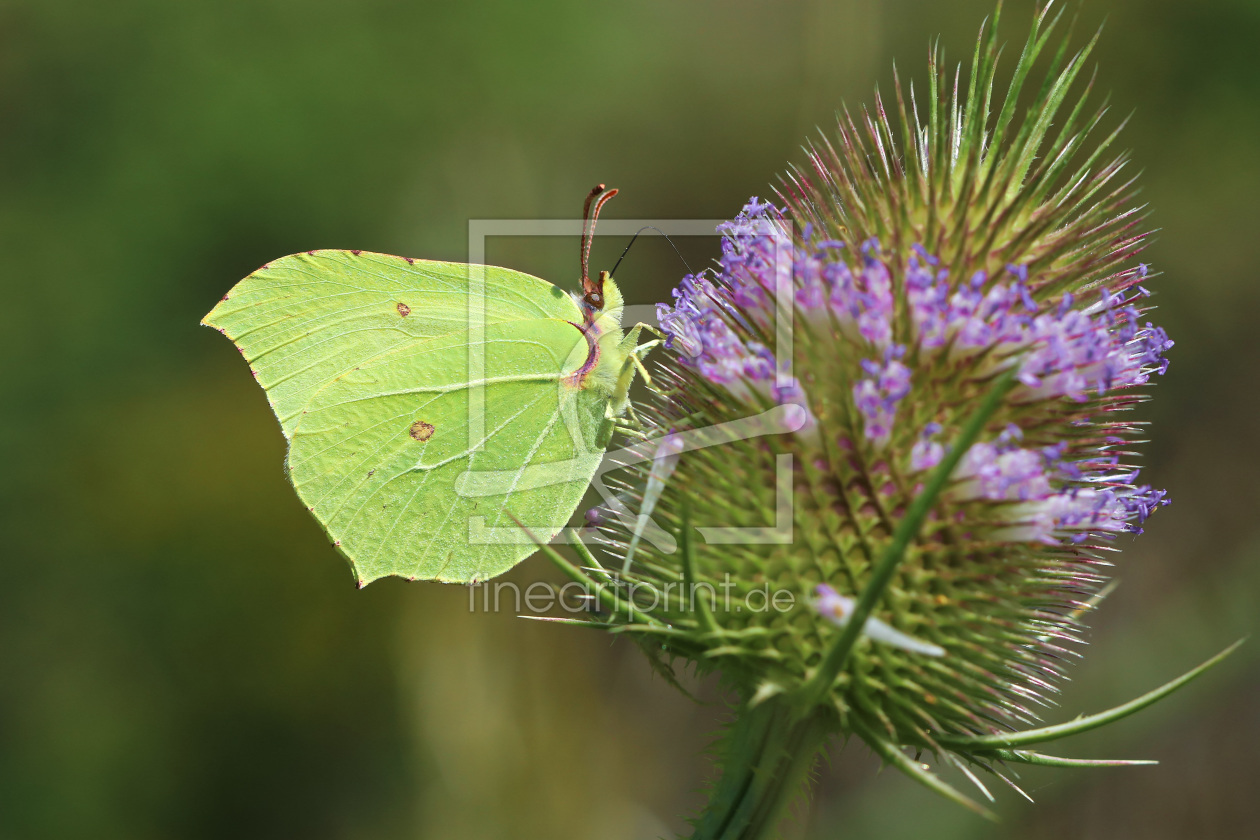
[{"x": 592, "y": 291}]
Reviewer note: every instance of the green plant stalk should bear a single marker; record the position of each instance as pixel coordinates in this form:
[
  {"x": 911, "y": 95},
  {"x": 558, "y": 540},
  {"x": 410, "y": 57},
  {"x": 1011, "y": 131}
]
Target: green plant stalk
[
  {"x": 813, "y": 692},
  {"x": 768, "y": 752}
]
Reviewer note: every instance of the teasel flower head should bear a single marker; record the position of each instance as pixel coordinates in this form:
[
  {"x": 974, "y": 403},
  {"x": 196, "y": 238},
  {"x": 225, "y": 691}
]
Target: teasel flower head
[{"x": 890, "y": 453}]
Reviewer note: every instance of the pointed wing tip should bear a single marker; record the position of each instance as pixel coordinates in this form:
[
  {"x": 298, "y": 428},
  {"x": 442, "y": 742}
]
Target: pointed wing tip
[
  {"x": 211, "y": 319},
  {"x": 362, "y": 577}
]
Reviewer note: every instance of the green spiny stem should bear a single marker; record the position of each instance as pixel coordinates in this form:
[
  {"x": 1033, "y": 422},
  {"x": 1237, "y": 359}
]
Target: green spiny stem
[
  {"x": 803, "y": 744},
  {"x": 1085, "y": 723},
  {"x": 813, "y": 692},
  {"x": 745, "y": 743},
  {"x": 1028, "y": 757},
  {"x": 689, "y": 570},
  {"x": 767, "y": 754}
]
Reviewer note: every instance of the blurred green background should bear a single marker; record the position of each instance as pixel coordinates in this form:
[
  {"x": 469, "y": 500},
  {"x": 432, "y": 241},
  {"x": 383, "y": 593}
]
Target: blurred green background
[{"x": 182, "y": 654}]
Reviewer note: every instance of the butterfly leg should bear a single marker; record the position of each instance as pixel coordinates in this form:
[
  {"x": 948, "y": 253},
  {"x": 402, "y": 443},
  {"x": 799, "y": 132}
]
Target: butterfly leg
[
  {"x": 633, "y": 352},
  {"x": 631, "y": 431},
  {"x": 634, "y": 416},
  {"x": 653, "y": 330},
  {"x": 634, "y": 359},
  {"x": 633, "y": 363},
  {"x": 630, "y": 344}
]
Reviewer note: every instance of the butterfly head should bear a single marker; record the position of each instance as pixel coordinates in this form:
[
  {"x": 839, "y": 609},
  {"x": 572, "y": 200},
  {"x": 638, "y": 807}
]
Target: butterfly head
[{"x": 607, "y": 300}]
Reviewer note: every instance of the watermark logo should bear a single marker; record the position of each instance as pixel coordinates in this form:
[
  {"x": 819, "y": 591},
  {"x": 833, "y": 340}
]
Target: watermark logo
[
  {"x": 663, "y": 452},
  {"x": 613, "y": 594}
]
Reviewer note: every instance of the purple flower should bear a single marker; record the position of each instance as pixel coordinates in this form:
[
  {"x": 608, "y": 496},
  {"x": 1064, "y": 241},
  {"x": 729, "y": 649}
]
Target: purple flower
[
  {"x": 876, "y": 396},
  {"x": 975, "y": 326},
  {"x": 1083, "y": 512},
  {"x": 1013, "y": 474},
  {"x": 926, "y": 453}
]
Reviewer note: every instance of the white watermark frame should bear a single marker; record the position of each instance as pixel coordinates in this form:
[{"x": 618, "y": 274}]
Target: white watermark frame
[{"x": 785, "y": 418}]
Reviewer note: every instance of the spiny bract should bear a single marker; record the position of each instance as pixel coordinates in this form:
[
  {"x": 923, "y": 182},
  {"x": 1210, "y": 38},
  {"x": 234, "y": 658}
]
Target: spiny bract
[{"x": 859, "y": 319}]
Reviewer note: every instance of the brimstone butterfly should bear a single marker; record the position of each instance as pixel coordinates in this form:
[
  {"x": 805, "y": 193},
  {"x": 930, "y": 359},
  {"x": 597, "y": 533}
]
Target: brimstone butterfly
[{"x": 433, "y": 408}]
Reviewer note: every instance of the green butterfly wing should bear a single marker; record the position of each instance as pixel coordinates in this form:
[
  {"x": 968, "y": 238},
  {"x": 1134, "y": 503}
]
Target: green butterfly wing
[
  {"x": 304, "y": 319},
  {"x": 417, "y": 436}
]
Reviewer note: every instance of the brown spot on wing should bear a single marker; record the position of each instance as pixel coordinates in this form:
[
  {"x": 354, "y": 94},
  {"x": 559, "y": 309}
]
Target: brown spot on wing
[
  {"x": 403, "y": 309},
  {"x": 355, "y": 251},
  {"x": 421, "y": 430}
]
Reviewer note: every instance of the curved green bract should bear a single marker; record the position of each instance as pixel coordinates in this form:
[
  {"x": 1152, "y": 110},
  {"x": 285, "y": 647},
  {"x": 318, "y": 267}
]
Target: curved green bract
[{"x": 430, "y": 406}]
